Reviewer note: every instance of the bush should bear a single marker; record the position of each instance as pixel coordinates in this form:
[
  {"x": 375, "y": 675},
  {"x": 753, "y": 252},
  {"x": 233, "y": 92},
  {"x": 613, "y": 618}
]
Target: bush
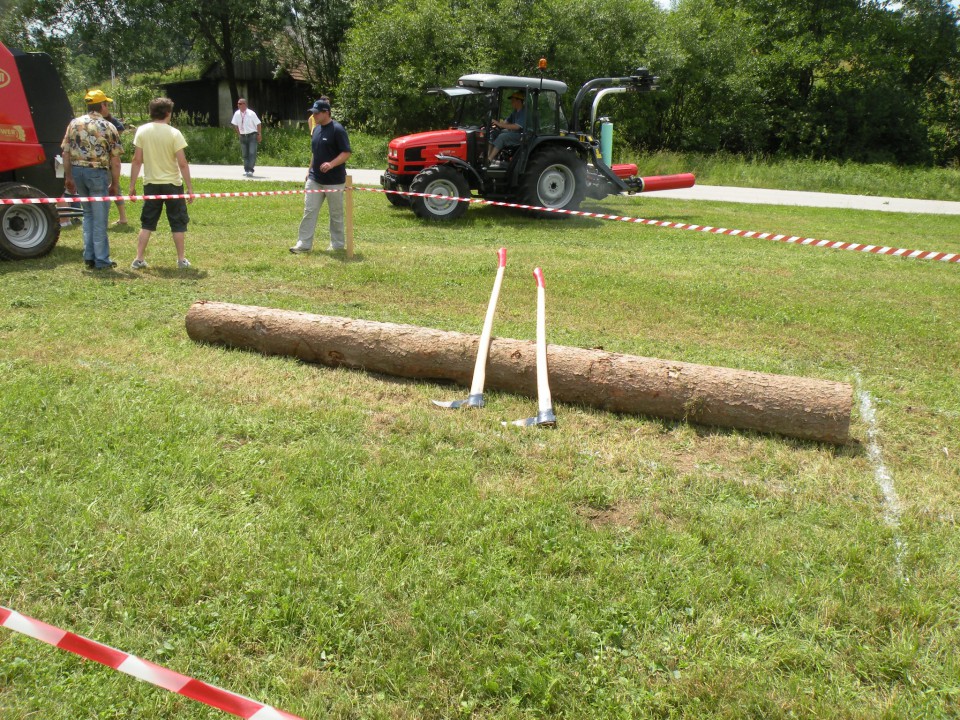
[{"x": 281, "y": 146}]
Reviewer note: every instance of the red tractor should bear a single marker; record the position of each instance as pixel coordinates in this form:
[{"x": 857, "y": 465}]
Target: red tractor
[
  {"x": 34, "y": 113},
  {"x": 554, "y": 166}
]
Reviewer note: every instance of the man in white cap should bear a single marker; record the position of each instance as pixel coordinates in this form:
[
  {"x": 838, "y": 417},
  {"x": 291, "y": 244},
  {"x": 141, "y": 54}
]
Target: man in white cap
[
  {"x": 330, "y": 146},
  {"x": 91, "y": 168}
]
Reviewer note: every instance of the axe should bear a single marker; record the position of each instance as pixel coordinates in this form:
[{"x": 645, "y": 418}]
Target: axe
[
  {"x": 475, "y": 399},
  {"x": 545, "y": 416}
]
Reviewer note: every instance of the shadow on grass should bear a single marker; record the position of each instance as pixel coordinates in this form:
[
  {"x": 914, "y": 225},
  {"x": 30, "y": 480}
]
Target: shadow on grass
[
  {"x": 59, "y": 256},
  {"x": 164, "y": 273},
  {"x": 341, "y": 256},
  {"x": 852, "y": 448}
]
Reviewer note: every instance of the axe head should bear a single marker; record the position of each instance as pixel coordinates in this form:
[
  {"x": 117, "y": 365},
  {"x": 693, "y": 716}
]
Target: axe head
[
  {"x": 544, "y": 418},
  {"x": 472, "y": 401}
]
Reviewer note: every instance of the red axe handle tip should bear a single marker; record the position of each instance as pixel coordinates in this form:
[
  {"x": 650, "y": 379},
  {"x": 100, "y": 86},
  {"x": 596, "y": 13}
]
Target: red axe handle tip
[{"x": 538, "y": 274}]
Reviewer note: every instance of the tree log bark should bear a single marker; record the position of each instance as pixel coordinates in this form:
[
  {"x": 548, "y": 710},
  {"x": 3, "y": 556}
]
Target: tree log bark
[{"x": 796, "y": 407}]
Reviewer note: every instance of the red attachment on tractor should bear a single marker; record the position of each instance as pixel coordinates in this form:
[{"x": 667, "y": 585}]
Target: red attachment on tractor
[
  {"x": 18, "y": 137},
  {"x": 668, "y": 182}
]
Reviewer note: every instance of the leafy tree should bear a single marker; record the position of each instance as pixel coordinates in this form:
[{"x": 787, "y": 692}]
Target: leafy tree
[
  {"x": 225, "y": 31},
  {"x": 395, "y": 52},
  {"x": 710, "y": 96},
  {"x": 311, "y": 42},
  {"x": 24, "y": 24}
]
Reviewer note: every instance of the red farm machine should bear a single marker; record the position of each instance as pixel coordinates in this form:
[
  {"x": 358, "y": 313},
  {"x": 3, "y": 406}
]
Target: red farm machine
[
  {"x": 555, "y": 164},
  {"x": 34, "y": 112}
]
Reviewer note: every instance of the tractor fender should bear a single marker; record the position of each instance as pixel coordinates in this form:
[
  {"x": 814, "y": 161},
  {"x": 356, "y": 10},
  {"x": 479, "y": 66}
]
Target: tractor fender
[{"x": 464, "y": 167}]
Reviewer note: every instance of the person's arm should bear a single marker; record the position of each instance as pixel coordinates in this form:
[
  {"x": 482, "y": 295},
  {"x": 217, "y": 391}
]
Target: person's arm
[
  {"x": 259, "y": 133},
  {"x": 135, "y": 166},
  {"x": 185, "y": 171},
  {"x": 114, "y": 175},
  {"x": 340, "y": 159},
  {"x": 68, "y": 184},
  {"x": 235, "y": 121}
]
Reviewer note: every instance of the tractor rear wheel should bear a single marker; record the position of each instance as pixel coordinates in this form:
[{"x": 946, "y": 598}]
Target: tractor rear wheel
[
  {"x": 555, "y": 179},
  {"x": 440, "y": 180},
  {"x": 26, "y": 231}
]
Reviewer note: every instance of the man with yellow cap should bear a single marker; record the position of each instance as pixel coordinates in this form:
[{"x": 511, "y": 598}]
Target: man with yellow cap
[{"x": 91, "y": 168}]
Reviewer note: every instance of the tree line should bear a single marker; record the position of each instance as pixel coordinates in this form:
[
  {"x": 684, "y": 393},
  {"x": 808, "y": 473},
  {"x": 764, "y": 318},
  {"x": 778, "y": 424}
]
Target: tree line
[{"x": 859, "y": 80}]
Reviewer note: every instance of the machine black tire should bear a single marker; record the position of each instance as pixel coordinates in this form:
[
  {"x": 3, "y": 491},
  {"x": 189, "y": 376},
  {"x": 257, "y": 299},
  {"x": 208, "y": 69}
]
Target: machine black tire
[
  {"x": 555, "y": 178},
  {"x": 26, "y": 231},
  {"x": 440, "y": 180},
  {"x": 398, "y": 200}
]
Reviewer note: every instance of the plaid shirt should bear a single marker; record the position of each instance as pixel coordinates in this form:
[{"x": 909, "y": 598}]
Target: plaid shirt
[{"x": 91, "y": 141}]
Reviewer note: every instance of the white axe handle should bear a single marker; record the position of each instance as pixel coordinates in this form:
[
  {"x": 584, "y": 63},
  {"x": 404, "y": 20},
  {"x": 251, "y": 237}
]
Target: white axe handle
[
  {"x": 480, "y": 369},
  {"x": 544, "y": 401}
]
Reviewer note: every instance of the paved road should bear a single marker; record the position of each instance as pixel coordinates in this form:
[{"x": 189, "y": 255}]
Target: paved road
[{"x": 698, "y": 192}]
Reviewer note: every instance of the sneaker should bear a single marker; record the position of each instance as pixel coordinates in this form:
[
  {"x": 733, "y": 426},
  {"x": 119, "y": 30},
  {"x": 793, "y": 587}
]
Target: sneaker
[
  {"x": 183, "y": 264},
  {"x": 299, "y": 249},
  {"x": 138, "y": 264},
  {"x": 90, "y": 264},
  {"x": 334, "y": 248},
  {"x": 110, "y": 266}
]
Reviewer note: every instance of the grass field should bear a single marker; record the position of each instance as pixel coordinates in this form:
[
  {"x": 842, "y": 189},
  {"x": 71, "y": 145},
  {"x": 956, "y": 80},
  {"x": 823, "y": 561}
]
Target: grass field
[{"x": 325, "y": 541}]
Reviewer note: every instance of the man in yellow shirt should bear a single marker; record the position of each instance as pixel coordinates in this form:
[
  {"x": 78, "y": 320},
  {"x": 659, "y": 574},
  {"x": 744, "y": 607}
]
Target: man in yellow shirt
[{"x": 159, "y": 150}]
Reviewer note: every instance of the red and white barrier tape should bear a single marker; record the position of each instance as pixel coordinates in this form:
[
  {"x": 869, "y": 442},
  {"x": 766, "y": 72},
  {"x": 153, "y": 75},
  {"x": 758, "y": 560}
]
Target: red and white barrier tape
[
  {"x": 774, "y": 237},
  {"x": 185, "y": 196},
  {"x": 790, "y": 239},
  {"x": 142, "y": 669}
]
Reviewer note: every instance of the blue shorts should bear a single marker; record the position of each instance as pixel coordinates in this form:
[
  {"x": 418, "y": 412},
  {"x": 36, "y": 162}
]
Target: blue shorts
[{"x": 176, "y": 209}]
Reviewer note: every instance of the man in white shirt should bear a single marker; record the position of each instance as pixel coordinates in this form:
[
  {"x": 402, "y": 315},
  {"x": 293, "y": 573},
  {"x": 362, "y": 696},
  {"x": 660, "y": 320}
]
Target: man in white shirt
[{"x": 247, "y": 126}]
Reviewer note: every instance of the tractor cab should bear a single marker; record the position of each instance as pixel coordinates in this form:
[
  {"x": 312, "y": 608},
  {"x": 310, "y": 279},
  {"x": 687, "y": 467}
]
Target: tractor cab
[{"x": 486, "y": 97}]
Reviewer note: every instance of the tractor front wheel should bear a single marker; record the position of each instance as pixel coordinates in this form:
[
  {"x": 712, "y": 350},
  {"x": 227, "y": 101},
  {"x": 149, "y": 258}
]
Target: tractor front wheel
[
  {"x": 440, "y": 180},
  {"x": 26, "y": 231},
  {"x": 393, "y": 199},
  {"x": 555, "y": 179}
]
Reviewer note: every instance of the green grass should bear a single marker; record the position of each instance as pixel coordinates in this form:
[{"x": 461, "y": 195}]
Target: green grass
[{"x": 328, "y": 542}]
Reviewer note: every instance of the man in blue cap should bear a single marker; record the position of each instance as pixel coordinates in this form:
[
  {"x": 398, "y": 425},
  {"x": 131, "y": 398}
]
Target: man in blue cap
[{"x": 330, "y": 147}]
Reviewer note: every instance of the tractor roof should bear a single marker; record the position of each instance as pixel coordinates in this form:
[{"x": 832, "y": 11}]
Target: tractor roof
[{"x": 485, "y": 80}]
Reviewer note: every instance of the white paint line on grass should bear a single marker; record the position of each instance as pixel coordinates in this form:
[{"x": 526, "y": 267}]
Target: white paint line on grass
[{"x": 891, "y": 501}]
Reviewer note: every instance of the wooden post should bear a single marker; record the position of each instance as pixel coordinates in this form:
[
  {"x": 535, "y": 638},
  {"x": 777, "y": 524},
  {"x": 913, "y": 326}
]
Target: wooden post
[
  {"x": 348, "y": 189},
  {"x": 798, "y": 407}
]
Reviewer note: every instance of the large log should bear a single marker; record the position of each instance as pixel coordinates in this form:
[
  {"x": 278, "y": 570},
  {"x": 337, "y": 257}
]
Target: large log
[{"x": 792, "y": 406}]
